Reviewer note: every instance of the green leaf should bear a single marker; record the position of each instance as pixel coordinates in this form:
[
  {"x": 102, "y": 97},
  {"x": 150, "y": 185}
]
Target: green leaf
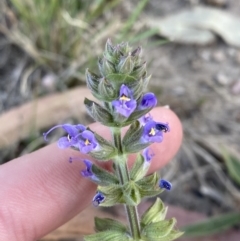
[
  {"x": 138, "y": 171},
  {"x": 107, "y": 150},
  {"x": 132, "y": 139},
  {"x": 134, "y": 148},
  {"x": 137, "y": 114},
  {"x": 98, "y": 113},
  {"x": 104, "y": 224},
  {"x": 105, "y": 178},
  {"x": 155, "y": 213},
  {"x": 107, "y": 236},
  {"x": 174, "y": 234},
  {"x": 131, "y": 194},
  {"x": 133, "y": 134},
  {"x": 212, "y": 225},
  {"x": 158, "y": 230},
  {"x": 113, "y": 194},
  {"x": 148, "y": 186},
  {"x": 233, "y": 165}
]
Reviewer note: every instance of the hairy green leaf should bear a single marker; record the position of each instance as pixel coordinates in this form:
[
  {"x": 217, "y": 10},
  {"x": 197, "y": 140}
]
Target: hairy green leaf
[
  {"x": 155, "y": 213},
  {"x": 104, "y": 224}
]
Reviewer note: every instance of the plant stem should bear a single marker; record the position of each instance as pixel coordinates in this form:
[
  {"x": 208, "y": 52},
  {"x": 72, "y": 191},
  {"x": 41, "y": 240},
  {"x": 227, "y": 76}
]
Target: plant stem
[{"x": 123, "y": 174}]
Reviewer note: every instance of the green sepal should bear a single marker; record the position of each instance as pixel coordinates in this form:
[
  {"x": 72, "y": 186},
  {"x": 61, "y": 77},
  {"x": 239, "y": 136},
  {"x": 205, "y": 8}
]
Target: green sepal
[
  {"x": 113, "y": 195},
  {"x": 137, "y": 88},
  {"x": 155, "y": 213},
  {"x": 111, "y": 57},
  {"x": 125, "y": 65},
  {"x": 124, "y": 48},
  {"x": 128, "y": 194},
  {"x": 104, "y": 178},
  {"x": 148, "y": 186},
  {"x": 134, "y": 133},
  {"x": 174, "y": 234},
  {"x": 158, "y": 231},
  {"x": 97, "y": 112},
  {"x": 137, "y": 114},
  {"x": 146, "y": 81},
  {"x": 131, "y": 194},
  {"x": 132, "y": 142},
  {"x": 139, "y": 71},
  {"x": 119, "y": 119},
  {"x": 109, "y": 47},
  {"x": 105, "y": 66},
  {"x": 118, "y": 79},
  {"x": 107, "y": 236},
  {"x": 92, "y": 81},
  {"x": 136, "y": 56},
  {"x": 104, "y": 224},
  {"x": 106, "y": 91},
  {"x": 137, "y": 147},
  {"x": 139, "y": 168},
  {"x": 105, "y": 151}
]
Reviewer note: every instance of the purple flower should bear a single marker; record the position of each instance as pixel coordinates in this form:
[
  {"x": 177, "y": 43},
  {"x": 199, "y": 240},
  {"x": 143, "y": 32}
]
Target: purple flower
[
  {"x": 88, "y": 171},
  {"x": 153, "y": 131},
  {"x": 125, "y": 104},
  {"x": 148, "y": 155},
  {"x": 98, "y": 199},
  {"x": 149, "y": 100},
  {"x": 144, "y": 119},
  {"x": 165, "y": 184},
  {"x": 72, "y": 138},
  {"x": 87, "y": 142}
]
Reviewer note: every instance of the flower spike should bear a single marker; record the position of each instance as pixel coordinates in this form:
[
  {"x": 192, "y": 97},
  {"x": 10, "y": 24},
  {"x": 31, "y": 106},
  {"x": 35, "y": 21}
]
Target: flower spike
[{"x": 122, "y": 102}]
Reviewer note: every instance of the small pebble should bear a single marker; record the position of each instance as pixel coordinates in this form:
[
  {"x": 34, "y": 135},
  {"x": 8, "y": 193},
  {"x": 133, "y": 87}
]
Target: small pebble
[
  {"x": 179, "y": 90},
  {"x": 219, "y": 56},
  {"x": 49, "y": 81},
  {"x": 223, "y": 79},
  {"x": 205, "y": 55}
]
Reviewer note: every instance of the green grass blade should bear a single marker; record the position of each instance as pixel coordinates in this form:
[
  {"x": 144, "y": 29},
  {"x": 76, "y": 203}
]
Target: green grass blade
[
  {"x": 133, "y": 18},
  {"x": 233, "y": 165},
  {"x": 213, "y": 225},
  {"x": 144, "y": 35}
]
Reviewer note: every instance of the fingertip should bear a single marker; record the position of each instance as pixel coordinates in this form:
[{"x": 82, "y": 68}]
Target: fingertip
[{"x": 172, "y": 140}]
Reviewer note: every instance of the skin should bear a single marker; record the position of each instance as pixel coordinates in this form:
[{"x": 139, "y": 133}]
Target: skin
[{"x": 41, "y": 191}]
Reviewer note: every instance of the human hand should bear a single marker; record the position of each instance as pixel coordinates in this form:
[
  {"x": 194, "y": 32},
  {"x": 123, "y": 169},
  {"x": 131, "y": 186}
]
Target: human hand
[{"x": 41, "y": 191}]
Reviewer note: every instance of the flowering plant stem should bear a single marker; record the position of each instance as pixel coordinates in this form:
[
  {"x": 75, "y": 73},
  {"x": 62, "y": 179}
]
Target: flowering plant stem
[
  {"x": 123, "y": 175},
  {"x": 121, "y": 89}
]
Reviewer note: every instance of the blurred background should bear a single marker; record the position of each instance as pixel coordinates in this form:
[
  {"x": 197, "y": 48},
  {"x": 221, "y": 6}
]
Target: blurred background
[{"x": 192, "y": 48}]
